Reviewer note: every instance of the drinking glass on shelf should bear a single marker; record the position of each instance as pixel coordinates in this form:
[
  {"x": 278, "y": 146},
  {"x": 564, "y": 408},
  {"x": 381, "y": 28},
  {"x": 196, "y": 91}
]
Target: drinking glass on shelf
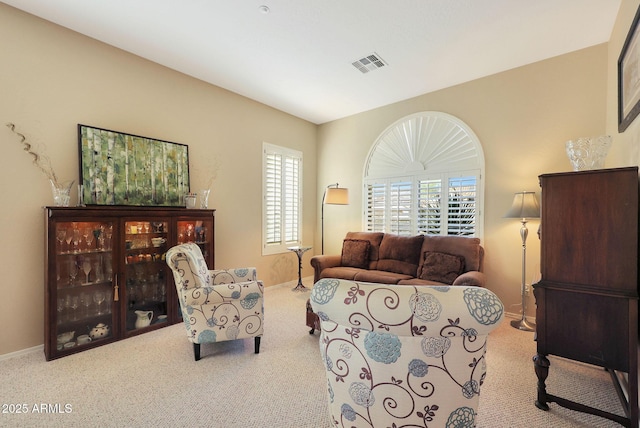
[
  {"x": 85, "y": 300},
  {"x": 76, "y": 240},
  {"x": 73, "y": 270},
  {"x": 99, "y": 297},
  {"x": 74, "y": 307},
  {"x": 61, "y": 234},
  {"x": 86, "y": 267},
  {"x": 67, "y": 306},
  {"x": 60, "y": 309},
  {"x": 98, "y": 235},
  {"x": 108, "y": 232},
  {"x": 97, "y": 269},
  {"x": 107, "y": 300},
  {"x": 88, "y": 237},
  {"x": 68, "y": 240}
]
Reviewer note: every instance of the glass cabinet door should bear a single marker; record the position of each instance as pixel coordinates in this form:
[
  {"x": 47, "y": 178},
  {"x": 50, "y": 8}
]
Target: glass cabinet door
[
  {"x": 84, "y": 283},
  {"x": 146, "y": 276}
]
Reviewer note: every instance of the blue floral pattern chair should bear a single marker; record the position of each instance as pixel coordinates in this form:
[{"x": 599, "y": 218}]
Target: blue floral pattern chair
[
  {"x": 216, "y": 305},
  {"x": 404, "y": 356}
]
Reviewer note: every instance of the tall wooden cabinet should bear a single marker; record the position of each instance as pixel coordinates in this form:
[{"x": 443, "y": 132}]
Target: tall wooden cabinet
[
  {"x": 106, "y": 277},
  {"x": 587, "y": 299}
]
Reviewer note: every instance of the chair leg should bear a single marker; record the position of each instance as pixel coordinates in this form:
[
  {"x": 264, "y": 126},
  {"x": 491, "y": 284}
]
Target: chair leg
[
  {"x": 196, "y": 351},
  {"x": 257, "y": 341}
]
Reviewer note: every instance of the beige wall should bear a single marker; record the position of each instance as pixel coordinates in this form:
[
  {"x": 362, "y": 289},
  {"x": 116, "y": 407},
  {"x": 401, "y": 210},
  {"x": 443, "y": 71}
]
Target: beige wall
[
  {"x": 51, "y": 79},
  {"x": 522, "y": 118}
]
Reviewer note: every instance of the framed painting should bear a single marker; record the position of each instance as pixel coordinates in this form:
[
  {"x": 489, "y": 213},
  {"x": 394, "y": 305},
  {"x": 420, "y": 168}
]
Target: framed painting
[
  {"x": 629, "y": 77},
  {"x": 123, "y": 169}
]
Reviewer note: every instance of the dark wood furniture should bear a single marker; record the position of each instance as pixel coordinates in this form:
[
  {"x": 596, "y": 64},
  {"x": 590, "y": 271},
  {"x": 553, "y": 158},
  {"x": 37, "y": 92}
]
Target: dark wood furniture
[
  {"x": 587, "y": 299},
  {"x": 106, "y": 277}
]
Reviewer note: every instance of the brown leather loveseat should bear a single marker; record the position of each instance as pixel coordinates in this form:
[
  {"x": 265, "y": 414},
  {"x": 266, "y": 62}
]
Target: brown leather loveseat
[{"x": 406, "y": 260}]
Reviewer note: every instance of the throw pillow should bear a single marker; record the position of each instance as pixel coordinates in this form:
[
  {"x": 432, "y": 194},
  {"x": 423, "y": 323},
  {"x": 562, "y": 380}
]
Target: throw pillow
[
  {"x": 355, "y": 253},
  {"x": 441, "y": 267}
]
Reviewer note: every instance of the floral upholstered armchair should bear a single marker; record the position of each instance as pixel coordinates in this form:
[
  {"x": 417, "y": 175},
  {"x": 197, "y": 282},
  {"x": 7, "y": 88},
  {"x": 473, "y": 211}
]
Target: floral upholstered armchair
[
  {"x": 217, "y": 305},
  {"x": 401, "y": 355}
]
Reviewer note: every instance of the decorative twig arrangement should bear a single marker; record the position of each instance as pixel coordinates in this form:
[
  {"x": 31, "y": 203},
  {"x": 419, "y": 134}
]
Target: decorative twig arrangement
[{"x": 41, "y": 161}]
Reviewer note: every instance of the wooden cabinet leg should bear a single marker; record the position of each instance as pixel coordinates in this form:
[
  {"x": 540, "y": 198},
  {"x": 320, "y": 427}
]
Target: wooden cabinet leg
[{"x": 541, "y": 365}]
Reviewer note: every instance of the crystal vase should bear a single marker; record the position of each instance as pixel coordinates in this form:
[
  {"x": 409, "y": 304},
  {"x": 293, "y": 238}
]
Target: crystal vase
[
  {"x": 588, "y": 152},
  {"x": 204, "y": 199},
  {"x": 61, "y": 192}
]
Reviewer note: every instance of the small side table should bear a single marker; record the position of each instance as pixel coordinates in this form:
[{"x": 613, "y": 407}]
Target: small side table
[{"x": 299, "y": 252}]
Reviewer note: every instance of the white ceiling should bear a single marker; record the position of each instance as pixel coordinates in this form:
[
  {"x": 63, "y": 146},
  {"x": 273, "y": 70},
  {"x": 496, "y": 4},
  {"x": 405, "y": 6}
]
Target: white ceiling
[{"x": 298, "y": 57}]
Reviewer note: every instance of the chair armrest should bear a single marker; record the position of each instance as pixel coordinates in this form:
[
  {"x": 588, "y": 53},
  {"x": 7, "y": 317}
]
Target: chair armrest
[
  {"x": 221, "y": 293},
  {"x": 471, "y": 278},
  {"x": 230, "y": 276},
  {"x": 322, "y": 262}
]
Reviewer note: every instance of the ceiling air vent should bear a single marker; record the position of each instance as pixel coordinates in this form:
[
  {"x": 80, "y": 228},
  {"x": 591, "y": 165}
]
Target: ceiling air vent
[{"x": 369, "y": 63}]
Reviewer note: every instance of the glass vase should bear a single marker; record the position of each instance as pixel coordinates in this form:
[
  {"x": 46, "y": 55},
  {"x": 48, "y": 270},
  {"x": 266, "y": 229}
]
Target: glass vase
[
  {"x": 204, "y": 198},
  {"x": 61, "y": 192},
  {"x": 588, "y": 152},
  {"x": 190, "y": 200}
]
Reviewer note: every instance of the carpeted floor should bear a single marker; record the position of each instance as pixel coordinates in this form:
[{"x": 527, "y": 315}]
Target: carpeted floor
[{"x": 152, "y": 380}]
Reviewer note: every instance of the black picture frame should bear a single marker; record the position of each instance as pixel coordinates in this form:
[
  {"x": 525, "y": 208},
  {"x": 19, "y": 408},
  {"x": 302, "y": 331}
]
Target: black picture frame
[
  {"x": 629, "y": 77},
  {"x": 125, "y": 169}
]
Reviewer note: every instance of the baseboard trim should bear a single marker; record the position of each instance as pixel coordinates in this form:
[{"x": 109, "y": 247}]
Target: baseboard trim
[
  {"x": 518, "y": 316},
  {"x": 38, "y": 348}
]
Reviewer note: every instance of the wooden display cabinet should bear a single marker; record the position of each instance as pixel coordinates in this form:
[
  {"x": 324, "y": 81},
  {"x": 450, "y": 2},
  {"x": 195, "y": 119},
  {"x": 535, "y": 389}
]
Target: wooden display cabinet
[
  {"x": 106, "y": 278},
  {"x": 587, "y": 299}
]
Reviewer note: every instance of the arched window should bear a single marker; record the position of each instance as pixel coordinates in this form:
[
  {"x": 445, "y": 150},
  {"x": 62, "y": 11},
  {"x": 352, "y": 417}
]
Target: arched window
[{"x": 424, "y": 175}]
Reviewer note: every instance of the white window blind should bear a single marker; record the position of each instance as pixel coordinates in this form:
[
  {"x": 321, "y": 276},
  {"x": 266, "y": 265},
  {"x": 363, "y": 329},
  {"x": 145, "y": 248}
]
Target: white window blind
[
  {"x": 422, "y": 205},
  {"x": 282, "y": 188}
]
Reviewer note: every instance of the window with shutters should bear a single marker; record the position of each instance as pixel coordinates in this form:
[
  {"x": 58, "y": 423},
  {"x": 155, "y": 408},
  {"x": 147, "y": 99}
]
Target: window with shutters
[
  {"x": 282, "y": 198},
  {"x": 424, "y": 176}
]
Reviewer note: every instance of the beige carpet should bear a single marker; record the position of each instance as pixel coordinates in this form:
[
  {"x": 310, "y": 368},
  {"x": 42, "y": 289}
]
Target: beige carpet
[{"x": 152, "y": 380}]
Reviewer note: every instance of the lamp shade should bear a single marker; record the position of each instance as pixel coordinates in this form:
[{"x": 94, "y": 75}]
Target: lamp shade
[
  {"x": 525, "y": 205},
  {"x": 336, "y": 196}
]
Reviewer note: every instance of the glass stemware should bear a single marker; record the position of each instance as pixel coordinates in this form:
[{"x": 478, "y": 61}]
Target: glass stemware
[
  {"x": 68, "y": 239},
  {"x": 88, "y": 237},
  {"x": 73, "y": 270},
  {"x": 74, "y": 307},
  {"x": 107, "y": 300},
  {"x": 60, "y": 309},
  {"x": 61, "y": 234},
  {"x": 86, "y": 267},
  {"x": 85, "y": 300},
  {"x": 99, "y": 297},
  {"x": 76, "y": 240},
  {"x": 108, "y": 233}
]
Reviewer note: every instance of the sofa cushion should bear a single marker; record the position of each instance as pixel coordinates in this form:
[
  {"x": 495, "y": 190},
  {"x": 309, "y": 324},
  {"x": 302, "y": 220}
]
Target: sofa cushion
[
  {"x": 441, "y": 267},
  {"x": 355, "y": 253},
  {"x": 400, "y": 254},
  {"x": 374, "y": 238},
  {"x": 469, "y": 248},
  {"x": 340, "y": 272},
  {"x": 380, "y": 276}
]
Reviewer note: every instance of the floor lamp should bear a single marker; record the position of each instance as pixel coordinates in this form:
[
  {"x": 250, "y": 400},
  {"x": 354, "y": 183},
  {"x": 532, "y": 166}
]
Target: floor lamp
[
  {"x": 525, "y": 206},
  {"x": 333, "y": 195}
]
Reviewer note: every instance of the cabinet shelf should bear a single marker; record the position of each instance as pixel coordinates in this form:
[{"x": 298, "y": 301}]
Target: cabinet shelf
[{"x": 127, "y": 271}]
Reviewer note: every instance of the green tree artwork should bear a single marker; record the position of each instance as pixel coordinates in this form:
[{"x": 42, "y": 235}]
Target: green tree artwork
[{"x": 123, "y": 169}]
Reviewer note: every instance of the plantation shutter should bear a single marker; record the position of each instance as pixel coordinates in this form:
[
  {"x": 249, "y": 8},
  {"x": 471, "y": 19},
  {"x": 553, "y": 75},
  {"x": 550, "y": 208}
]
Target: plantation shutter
[
  {"x": 282, "y": 193},
  {"x": 429, "y": 220},
  {"x": 376, "y": 207},
  {"x": 461, "y": 218},
  {"x": 273, "y": 196},
  {"x": 401, "y": 201},
  {"x": 291, "y": 199}
]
